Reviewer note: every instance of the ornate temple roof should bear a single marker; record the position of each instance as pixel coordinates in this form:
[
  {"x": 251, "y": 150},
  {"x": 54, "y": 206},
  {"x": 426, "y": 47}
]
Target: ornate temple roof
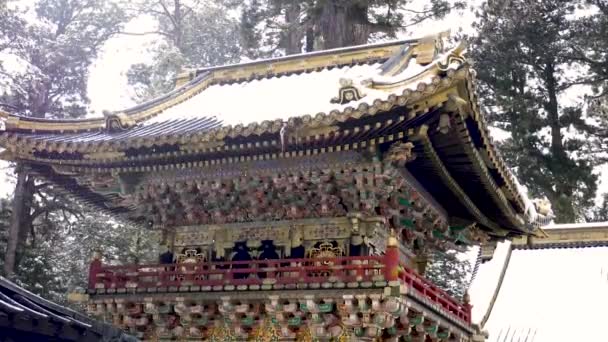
[
  {"x": 302, "y": 105},
  {"x": 27, "y": 317}
]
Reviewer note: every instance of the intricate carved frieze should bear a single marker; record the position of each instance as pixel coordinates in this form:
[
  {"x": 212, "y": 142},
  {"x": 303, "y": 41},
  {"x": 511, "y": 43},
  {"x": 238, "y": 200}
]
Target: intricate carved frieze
[
  {"x": 350, "y": 316},
  {"x": 309, "y": 191},
  {"x": 194, "y": 236},
  {"x": 278, "y": 234}
]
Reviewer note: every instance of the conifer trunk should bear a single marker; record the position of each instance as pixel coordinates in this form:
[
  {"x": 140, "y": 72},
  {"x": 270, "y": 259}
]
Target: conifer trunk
[
  {"x": 343, "y": 23},
  {"x": 20, "y": 221},
  {"x": 293, "y": 36},
  {"x": 565, "y": 209},
  {"x": 557, "y": 146}
]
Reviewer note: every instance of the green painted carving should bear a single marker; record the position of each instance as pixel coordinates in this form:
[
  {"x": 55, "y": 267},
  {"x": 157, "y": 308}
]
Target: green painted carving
[
  {"x": 438, "y": 234},
  {"x": 407, "y": 223},
  {"x": 443, "y": 334},
  {"x": 326, "y": 307},
  {"x": 416, "y": 320},
  {"x": 432, "y": 329},
  {"x": 294, "y": 321},
  {"x": 461, "y": 237},
  {"x": 247, "y": 321},
  {"x": 405, "y": 202}
]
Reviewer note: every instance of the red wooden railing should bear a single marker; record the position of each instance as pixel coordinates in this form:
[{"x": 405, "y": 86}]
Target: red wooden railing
[
  {"x": 283, "y": 271},
  {"x": 259, "y": 272},
  {"x": 435, "y": 294}
]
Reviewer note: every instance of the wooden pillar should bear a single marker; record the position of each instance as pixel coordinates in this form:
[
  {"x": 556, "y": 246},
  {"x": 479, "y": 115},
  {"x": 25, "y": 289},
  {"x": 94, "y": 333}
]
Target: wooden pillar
[
  {"x": 391, "y": 259},
  {"x": 468, "y": 307},
  {"x": 94, "y": 269}
]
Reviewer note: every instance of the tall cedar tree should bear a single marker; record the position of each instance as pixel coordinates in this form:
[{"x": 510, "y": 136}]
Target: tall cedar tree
[
  {"x": 276, "y": 27},
  {"x": 523, "y": 56},
  {"x": 52, "y": 46},
  {"x": 191, "y": 34},
  {"x": 591, "y": 49}
]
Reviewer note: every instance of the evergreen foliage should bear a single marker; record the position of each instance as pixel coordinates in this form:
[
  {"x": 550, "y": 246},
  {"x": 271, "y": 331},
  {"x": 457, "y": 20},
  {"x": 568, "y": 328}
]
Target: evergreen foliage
[
  {"x": 277, "y": 27},
  {"x": 449, "y": 272},
  {"x": 51, "y": 46},
  {"x": 5, "y": 217},
  {"x": 55, "y": 262},
  {"x": 47, "y": 49},
  {"x": 600, "y": 212},
  {"x": 191, "y": 34},
  {"x": 523, "y": 54},
  {"x": 591, "y": 49}
]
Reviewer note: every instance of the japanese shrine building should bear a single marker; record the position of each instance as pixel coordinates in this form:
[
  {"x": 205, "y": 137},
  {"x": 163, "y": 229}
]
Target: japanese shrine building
[{"x": 299, "y": 196}]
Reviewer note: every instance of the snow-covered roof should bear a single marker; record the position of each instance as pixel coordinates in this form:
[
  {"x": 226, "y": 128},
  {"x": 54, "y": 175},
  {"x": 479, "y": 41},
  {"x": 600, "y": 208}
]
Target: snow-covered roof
[
  {"x": 271, "y": 98},
  {"x": 555, "y": 295},
  {"x": 299, "y": 94}
]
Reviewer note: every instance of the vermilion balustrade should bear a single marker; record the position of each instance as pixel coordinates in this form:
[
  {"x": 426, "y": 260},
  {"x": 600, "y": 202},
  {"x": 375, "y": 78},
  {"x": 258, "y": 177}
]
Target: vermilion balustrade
[
  {"x": 435, "y": 294},
  {"x": 259, "y": 272}
]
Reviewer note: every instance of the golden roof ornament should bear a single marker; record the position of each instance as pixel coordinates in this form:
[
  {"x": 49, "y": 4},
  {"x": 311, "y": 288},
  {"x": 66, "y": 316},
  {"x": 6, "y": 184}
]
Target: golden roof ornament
[
  {"x": 400, "y": 153},
  {"x": 348, "y": 92},
  {"x": 444, "y": 123},
  {"x": 543, "y": 207}
]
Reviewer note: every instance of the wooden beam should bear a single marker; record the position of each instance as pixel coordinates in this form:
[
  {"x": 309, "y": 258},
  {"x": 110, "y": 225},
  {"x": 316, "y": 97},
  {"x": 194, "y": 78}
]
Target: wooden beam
[{"x": 567, "y": 236}]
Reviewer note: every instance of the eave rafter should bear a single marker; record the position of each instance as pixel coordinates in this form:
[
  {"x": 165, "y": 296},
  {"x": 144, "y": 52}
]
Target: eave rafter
[
  {"x": 307, "y": 143},
  {"x": 493, "y": 156},
  {"x": 251, "y": 156},
  {"x": 422, "y": 137},
  {"x": 481, "y": 170}
]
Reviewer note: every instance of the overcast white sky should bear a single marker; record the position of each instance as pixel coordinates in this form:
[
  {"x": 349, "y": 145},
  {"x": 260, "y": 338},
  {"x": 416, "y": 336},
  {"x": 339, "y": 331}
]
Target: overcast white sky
[{"x": 563, "y": 295}]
